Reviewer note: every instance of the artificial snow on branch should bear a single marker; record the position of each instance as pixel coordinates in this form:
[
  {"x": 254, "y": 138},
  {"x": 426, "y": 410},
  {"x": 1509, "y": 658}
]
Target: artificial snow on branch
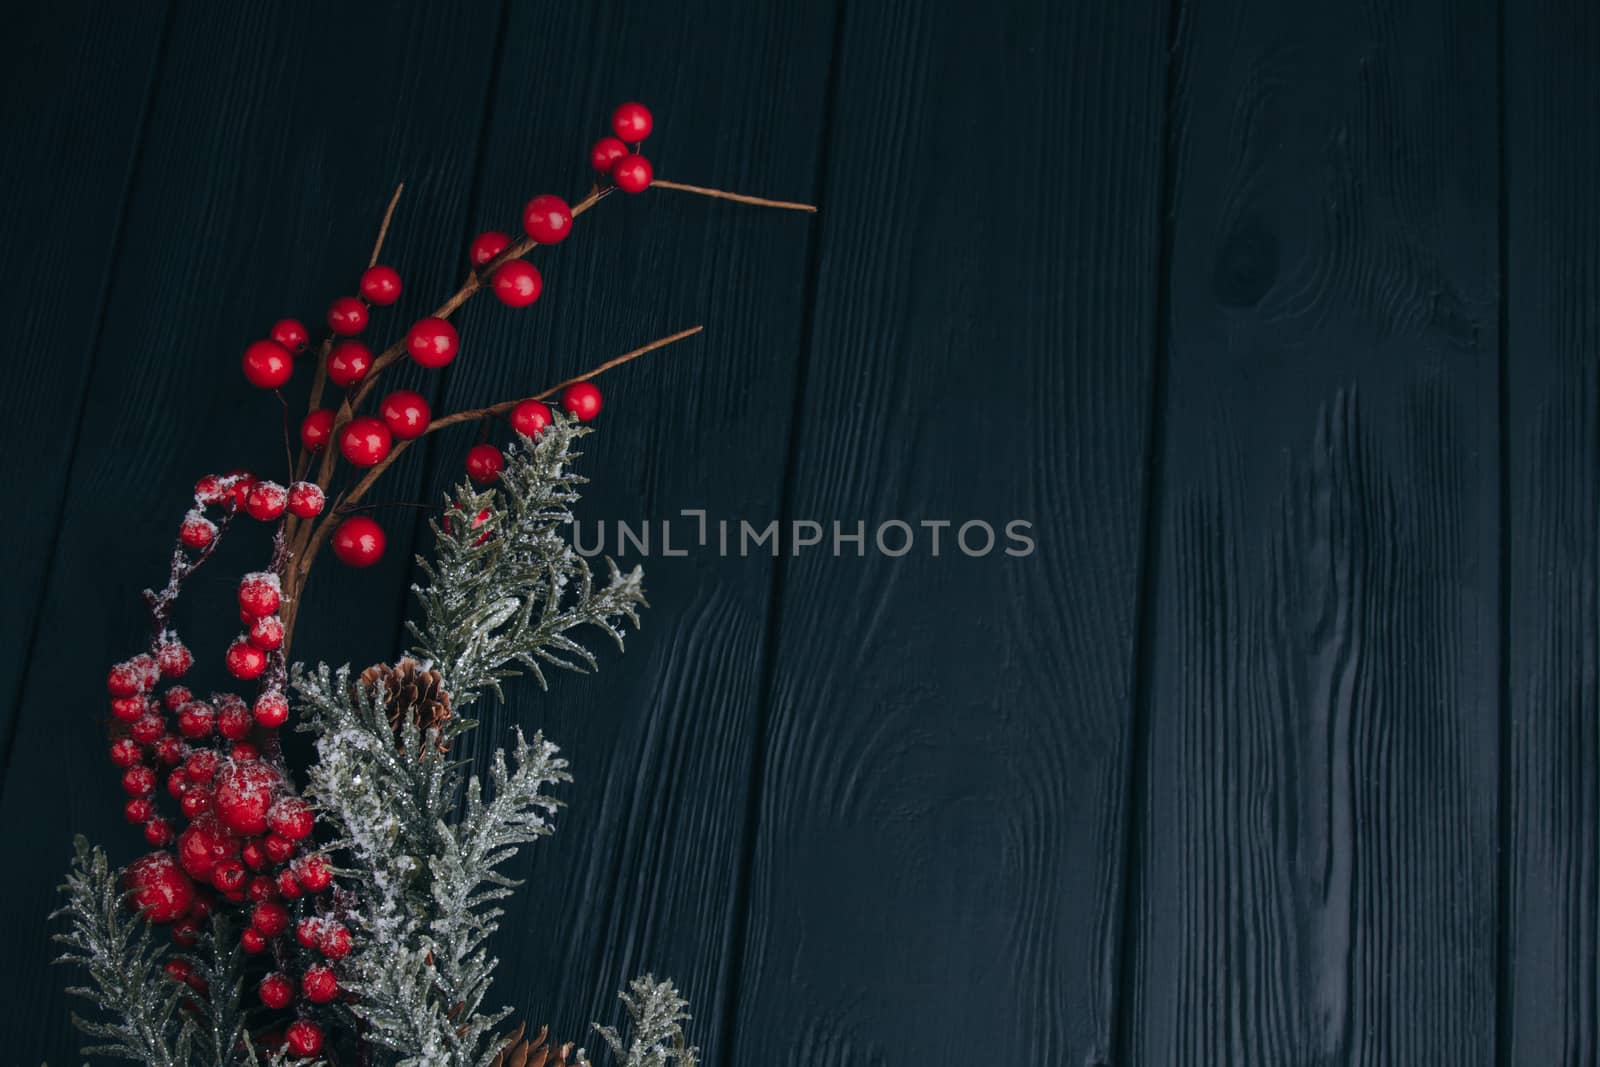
[{"x": 657, "y": 1014}]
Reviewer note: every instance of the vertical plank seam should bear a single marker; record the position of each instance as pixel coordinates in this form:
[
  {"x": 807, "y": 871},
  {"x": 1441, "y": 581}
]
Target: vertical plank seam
[
  {"x": 86, "y": 379},
  {"x": 1124, "y": 972},
  {"x": 1503, "y": 761},
  {"x": 744, "y": 873}
]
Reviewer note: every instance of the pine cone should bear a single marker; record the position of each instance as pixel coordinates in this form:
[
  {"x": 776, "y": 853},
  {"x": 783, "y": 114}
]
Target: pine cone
[
  {"x": 411, "y": 694},
  {"x": 524, "y": 1053}
]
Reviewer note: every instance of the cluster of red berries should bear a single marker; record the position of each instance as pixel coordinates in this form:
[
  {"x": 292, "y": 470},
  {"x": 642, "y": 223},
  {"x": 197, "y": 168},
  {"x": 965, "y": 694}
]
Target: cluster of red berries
[{"x": 611, "y": 156}]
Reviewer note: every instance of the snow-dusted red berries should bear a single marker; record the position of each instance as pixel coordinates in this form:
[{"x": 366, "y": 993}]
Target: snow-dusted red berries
[
  {"x": 347, "y": 316},
  {"x": 244, "y": 795},
  {"x": 197, "y": 531},
  {"x": 380, "y": 285},
  {"x": 267, "y": 365},
  {"x": 303, "y": 1039},
  {"x": 547, "y": 219},
  {"x": 244, "y": 661},
  {"x": 259, "y": 593},
  {"x": 318, "y": 984},
  {"x": 358, "y": 542},
  {"x": 484, "y": 463},
  {"x": 517, "y": 283},
  {"x": 306, "y": 500},
  {"x": 158, "y": 888},
  {"x": 365, "y": 441},
  {"x": 276, "y": 990},
  {"x": 582, "y": 399},
  {"x": 266, "y": 632},
  {"x": 266, "y": 501},
  {"x": 269, "y": 917},
  {"x": 406, "y": 413},
  {"x": 290, "y": 817},
  {"x": 432, "y": 342},
  {"x": 271, "y": 710}
]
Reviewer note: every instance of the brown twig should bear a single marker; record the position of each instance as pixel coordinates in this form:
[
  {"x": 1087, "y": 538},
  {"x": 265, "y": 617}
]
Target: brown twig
[
  {"x": 383, "y": 228},
  {"x": 718, "y": 194}
]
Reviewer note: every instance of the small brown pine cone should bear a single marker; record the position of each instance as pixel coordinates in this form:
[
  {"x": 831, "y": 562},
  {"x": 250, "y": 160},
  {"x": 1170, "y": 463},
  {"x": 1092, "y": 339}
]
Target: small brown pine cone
[
  {"x": 411, "y": 693},
  {"x": 522, "y": 1052}
]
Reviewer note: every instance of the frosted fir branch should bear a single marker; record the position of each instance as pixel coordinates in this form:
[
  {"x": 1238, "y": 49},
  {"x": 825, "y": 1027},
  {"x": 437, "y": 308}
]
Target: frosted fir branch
[
  {"x": 506, "y": 588},
  {"x": 657, "y": 1014},
  {"x": 126, "y": 969}
]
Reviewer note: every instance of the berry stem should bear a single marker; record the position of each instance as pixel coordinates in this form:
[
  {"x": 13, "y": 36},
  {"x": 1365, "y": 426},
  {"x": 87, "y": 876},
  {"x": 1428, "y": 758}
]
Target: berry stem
[
  {"x": 383, "y": 228},
  {"x": 718, "y": 194}
]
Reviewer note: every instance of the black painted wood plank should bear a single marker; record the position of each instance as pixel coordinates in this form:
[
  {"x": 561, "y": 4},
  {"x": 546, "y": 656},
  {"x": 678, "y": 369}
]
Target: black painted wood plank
[
  {"x": 1552, "y": 819},
  {"x": 1317, "y": 862},
  {"x": 275, "y": 141},
  {"x": 936, "y": 876},
  {"x": 643, "y": 873},
  {"x": 75, "y": 87}
]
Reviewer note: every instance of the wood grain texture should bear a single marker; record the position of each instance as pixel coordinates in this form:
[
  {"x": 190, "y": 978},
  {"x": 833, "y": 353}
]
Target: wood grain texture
[
  {"x": 936, "y": 876},
  {"x": 65, "y": 180},
  {"x": 1551, "y": 997},
  {"x": 272, "y": 147},
  {"x": 1317, "y": 859},
  {"x": 643, "y": 873}
]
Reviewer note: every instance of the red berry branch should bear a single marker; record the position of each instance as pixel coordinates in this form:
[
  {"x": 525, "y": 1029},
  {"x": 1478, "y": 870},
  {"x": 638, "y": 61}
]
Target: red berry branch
[{"x": 245, "y": 840}]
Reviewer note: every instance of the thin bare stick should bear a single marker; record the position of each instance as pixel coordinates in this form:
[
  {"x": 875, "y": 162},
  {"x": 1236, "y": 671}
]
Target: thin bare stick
[
  {"x": 383, "y": 229},
  {"x": 759, "y": 201}
]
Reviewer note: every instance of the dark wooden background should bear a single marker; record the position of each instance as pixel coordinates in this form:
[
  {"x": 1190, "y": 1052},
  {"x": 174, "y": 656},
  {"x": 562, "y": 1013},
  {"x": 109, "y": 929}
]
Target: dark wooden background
[{"x": 1278, "y": 318}]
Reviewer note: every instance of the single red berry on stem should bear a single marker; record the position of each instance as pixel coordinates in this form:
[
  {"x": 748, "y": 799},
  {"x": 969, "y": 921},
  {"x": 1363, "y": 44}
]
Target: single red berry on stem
[
  {"x": 158, "y": 833},
  {"x": 196, "y": 719},
  {"x": 276, "y": 990},
  {"x": 633, "y": 173},
  {"x": 292, "y": 335},
  {"x": 306, "y": 500},
  {"x": 605, "y": 153},
  {"x": 632, "y": 122},
  {"x": 380, "y": 285},
  {"x": 245, "y": 661},
  {"x": 271, "y": 710},
  {"x": 432, "y": 342},
  {"x": 211, "y": 490},
  {"x": 347, "y": 316},
  {"x": 244, "y": 794},
  {"x": 266, "y": 632},
  {"x": 406, "y": 413},
  {"x": 168, "y": 751},
  {"x": 486, "y": 246},
  {"x": 267, "y": 365},
  {"x": 266, "y": 501},
  {"x": 279, "y": 849},
  {"x": 287, "y": 887},
  {"x": 529, "y": 418},
  {"x": 233, "y": 721},
  {"x": 303, "y": 1039},
  {"x": 138, "y": 781},
  {"x": 125, "y": 680},
  {"x": 147, "y": 729},
  {"x": 260, "y": 593},
  {"x": 348, "y": 363},
  {"x": 484, "y": 463},
  {"x": 158, "y": 888},
  {"x": 334, "y": 941},
  {"x": 254, "y": 857},
  {"x": 364, "y": 441},
  {"x": 174, "y": 659},
  {"x": 319, "y": 984},
  {"x": 195, "y": 801},
  {"x": 358, "y": 542},
  {"x": 582, "y": 399},
  {"x": 313, "y": 873},
  {"x": 251, "y": 940},
  {"x": 547, "y": 219},
  {"x": 125, "y": 752},
  {"x": 197, "y": 531},
  {"x": 517, "y": 283},
  {"x": 291, "y": 818},
  {"x": 138, "y": 810},
  {"x": 270, "y": 917},
  {"x": 315, "y": 429},
  {"x": 129, "y": 709}
]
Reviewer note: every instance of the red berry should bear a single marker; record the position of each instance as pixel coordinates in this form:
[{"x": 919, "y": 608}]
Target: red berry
[
  {"x": 291, "y": 817},
  {"x": 169, "y": 751},
  {"x": 484, "y": 463},
  {"x": 315, "y": 429},
  {"x": 260, "y": 888},
  {"x": 547, "y": 219},
  {"x": 229, "y": 876},
  {"x": 174, "y": 659},
  {"x": 605, "y": 153},
  {"x": 245, "y": 661},
  {"x": 251, "y": 941},
  {"x": 204, "y": 843},
  {"x": 358, "y": 542},
  {"x": 238, "y": 484},
  {"x": 244, "y": 793},
  {"x": 138, "y": 781},
  {"x": 196, "y": 719},
  {"x": 197, "y": 531},
  {"x": 406, "y": 413},
  {"x": 291, "y": 334},
  {"x": 125, "y": 752},
  {"x": 254, "y": 857},
  {"x": 178, "y": 786},
  {"x": 158, "y": 888},
  {"x": 177, "y": 970},
  {"x": 334, "y": 941},
  {"x": 582, "y": 400},
  {"x": 129, "y": 709},
  {"x": 517, "y": 283},
  {"x": 259, "y": 593},
  {"x": 486, "y": 246},
  {"x": 276, "y": 990},
  {"x": 267, "y": 364},
  {"x": 380, "y": 285},
  {"x": 287, "y": 887},
  {"x": 244, "y": 751},
  {"x": 185, "y": 932},
  {"x": 303, "y": 1039},
  {"x": 633, "y": 173},
  {"x": 306, "y": 500},
  {"x": 202, "y": 765},
  {"x": 196, "y": 800},
  {"x": 158, "y": 833},
  {"x": 530, "y": 417},
  {"x": 138, "y": 810},
  {"x": 271, "y": 710},
  {"x": 211, "y": 490},
  {"x": 177, "y": 696},
  {"x": 125, "y": 680},
  {"x": 270, "y": 917},
  {"x": 147, "y": 729},
  {"x": 632, "y": 122},
  {"x": 319, "y": 984},
  {"x": 364, "y": 441},
  {"x": 347, "y": 316},
  {"x": 432, "y": 342},
  {"x": 279, "y": 849},
  {"x": 234, "y": 722},
  {"x": 313, "y": 873},
  {"x": 266, "y": 632},
  {"x": 308, "y": 932},
  {"x": 266, "y": 501},
  {"x": 149, "y": 670},
  {"x": 348, "y": 363}
]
